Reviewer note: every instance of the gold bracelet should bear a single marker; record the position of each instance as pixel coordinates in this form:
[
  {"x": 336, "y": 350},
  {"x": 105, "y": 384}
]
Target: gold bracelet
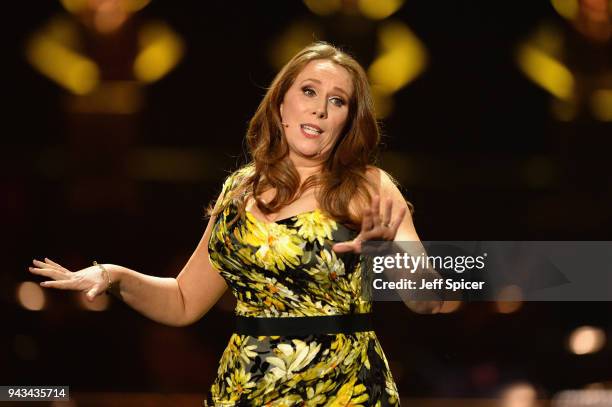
[{"x": 105, "y": 272}]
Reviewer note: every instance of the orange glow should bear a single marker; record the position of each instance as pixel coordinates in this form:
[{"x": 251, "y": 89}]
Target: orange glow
[
  {"x": 595, "y": 386},
  {"x": 509, "y": 299},
  {"x": 519, "y": 395},
  {"x": 450, "y": 306},
  {"x": 508, "y": 307},
  {"x": 114, "y": 97},
  {"x": 77, "y": 6},
  {"x": 601, "y": 104},
  {"x": 587, "y": 397},
  {"x": 109, "y": 20},
  {"x": 31, "y": 296},
  {"x": 586, "y": 339}
]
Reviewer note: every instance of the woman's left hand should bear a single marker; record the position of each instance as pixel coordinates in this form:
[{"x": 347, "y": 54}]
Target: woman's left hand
[{"x": 374, "y": 227}]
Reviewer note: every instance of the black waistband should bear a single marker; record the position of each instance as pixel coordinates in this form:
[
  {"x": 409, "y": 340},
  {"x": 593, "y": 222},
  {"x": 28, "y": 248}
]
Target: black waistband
[{"x": 302, "y": 326}]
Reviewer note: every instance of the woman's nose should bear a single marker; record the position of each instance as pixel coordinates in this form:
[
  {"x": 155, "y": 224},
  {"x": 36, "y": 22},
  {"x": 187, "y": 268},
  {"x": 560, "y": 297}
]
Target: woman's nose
[{"x": 320, "y": 112}]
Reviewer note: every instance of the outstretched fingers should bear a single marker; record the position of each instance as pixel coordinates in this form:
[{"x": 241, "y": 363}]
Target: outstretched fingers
[
  {"x": 375, "y": 226},
  {"x": 375, "y": 210},
  {"x": 367, "y": 221},
  {"x": 51, "y": 262},
  {"x": 395, "y": 224},
  {"x": 48, "y": 270},
  {"x": 345, "y": 247},
  {"x": 387, "y": 211},
  {"x": 61, "y": 285},
  {"x": 385, "y": 227}
]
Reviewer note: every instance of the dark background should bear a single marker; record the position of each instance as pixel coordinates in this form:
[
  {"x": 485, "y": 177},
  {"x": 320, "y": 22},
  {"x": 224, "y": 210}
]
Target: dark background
[{"x": 472, "y": 128}]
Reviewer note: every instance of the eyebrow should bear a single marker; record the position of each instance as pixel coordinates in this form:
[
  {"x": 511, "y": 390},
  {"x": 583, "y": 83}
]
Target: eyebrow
[{"x": 319, "y": 82}]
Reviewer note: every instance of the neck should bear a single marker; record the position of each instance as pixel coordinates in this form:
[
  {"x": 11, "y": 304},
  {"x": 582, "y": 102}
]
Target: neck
[{"x": 306, "y": 167}]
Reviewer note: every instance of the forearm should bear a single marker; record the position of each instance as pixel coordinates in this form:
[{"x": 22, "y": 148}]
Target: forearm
[
  {"x": 157, "y": 298},
  {"x": 433, "y": 304},
  {"x": 428, "y": 301},
  {"x": 421, "y": 297}
]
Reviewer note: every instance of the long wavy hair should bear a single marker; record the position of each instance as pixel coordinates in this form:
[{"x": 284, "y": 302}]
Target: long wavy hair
[{"x": 343, "y": 178}]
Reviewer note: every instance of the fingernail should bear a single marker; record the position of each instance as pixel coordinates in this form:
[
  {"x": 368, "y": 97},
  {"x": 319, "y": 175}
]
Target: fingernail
[{"x": 44, "y": 283}]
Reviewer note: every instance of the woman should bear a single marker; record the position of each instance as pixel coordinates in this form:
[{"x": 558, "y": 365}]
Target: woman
[{"x": 285, "y": 234}]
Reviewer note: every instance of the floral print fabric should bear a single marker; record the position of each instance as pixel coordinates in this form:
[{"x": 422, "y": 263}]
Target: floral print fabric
[{"x": 288, "y": 269}]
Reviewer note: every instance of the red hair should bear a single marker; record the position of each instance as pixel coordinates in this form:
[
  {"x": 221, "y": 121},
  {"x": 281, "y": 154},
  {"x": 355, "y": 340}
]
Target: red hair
[{"x": 342, "y": 180}]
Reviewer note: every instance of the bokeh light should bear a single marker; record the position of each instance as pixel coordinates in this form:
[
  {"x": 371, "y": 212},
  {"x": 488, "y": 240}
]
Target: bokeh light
[
  {"x": 566, "y": 8},
  {"x": 323, "y": 7},
  {"x": 586, "y": 339},
  {"x": 161, "y": 51},
  {"x": 379, "y": 9},
  {"x": 73, "y": 71},
  {"x": 519, "y": 394},
  {"x": 31, "y": 296},
  {"x": 546, "y": 71},
  {"x": 450, "y": 306},
  {"x": 601, "y": 103},
  {"x": 509, "y": 299},
  {"x": 402, "y": 58}
]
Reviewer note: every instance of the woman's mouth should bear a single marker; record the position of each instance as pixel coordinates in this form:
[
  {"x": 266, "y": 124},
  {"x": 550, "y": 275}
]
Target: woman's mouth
[{"x": 311, "y": 131}]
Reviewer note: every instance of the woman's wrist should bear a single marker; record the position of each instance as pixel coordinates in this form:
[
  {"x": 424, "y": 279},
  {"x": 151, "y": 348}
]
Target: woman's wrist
[
  {"x": 105, "y": 275},
  {"x": 115, "y": 274}
]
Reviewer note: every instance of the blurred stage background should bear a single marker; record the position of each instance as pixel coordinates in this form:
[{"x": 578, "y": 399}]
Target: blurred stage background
[{"x": 124, "y": 117}]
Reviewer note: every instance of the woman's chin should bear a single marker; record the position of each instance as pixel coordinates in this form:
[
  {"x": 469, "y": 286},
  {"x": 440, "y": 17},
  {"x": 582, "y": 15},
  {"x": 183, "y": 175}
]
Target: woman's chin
[
  {"x": 310, "y": 153},
  {"x": 307, "y": 152}
]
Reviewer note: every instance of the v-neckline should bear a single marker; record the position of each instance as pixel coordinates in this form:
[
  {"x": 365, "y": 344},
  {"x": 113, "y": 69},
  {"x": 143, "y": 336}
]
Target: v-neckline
[{"x": 279, "y": 221}]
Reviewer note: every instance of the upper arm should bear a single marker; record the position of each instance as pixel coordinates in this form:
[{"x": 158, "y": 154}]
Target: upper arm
[
  {"x": 386, "y": 188},
  {"x": 199, "y": 282}
]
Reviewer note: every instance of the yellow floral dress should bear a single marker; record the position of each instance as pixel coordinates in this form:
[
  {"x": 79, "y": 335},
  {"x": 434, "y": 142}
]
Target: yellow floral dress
[{"x": 287, "y": 269}]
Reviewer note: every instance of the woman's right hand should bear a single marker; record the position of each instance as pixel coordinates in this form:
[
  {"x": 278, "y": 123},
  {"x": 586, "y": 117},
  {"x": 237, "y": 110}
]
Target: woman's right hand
[{"x": 90, "y": 280}]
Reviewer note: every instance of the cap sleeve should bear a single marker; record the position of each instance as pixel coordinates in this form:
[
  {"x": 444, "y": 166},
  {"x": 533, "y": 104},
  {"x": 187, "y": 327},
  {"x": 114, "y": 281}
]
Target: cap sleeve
[{"x": 230, "y": 183}]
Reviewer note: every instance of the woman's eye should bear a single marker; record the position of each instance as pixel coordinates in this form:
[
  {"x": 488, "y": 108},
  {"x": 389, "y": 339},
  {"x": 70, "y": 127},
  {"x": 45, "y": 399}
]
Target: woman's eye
[
  {"x": 308, "y": 91},
  {"x": 337, "y": 101}
]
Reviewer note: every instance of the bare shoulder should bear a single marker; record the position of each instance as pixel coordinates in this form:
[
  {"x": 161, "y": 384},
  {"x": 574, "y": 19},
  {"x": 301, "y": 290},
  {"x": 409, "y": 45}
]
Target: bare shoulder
[
  {"x": 387, "y": 188},
  {"x": 233, "y": 181},
  {"x": 383, "y": 183}
]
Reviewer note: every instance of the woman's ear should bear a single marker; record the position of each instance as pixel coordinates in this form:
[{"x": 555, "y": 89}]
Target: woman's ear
[{"x": 281, "y": 111}]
